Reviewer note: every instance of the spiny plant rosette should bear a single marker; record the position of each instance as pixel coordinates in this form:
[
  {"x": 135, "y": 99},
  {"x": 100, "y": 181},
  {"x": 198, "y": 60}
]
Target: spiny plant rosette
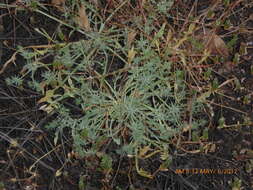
[{"x": 106, "y": 89}]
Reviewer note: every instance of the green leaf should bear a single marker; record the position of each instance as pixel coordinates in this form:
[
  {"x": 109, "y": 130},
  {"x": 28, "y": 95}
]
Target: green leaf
[
  {"x": 205, "y": 134},
  {"x": 81, "y": 183},
  {"x": 159, "y": 34},
  {"x": 204, "y": 96},
  {"x": 195, "y": 136},
  {"x": 215, "y": 84},
  {"x": 106, "y": 162},
  {"x": 191, "y": 28},
  {"x": 166, "y": 164},
  {"x": 84, "y": 134},
  {"x": 1, "y": 185},
  {"x": 222, "y": 123}
]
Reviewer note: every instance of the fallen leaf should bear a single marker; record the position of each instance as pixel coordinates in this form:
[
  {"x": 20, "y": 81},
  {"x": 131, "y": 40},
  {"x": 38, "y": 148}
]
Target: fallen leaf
[
  {"x": 130, "y": 38},
  {"x": 227, "y": 67},
  {"x": 169, "y": 36},
  {"x": 143, "y": 3},
  {"x": 187, "y": 128},
  {"x": 59, "y": 4},
  {"x": 47, "y": 108},
  {"x": 218, "y": 46},
  {"x": 251, "y": 16},
  {"x": 82, "y": 19},
  {"x": 58, "y": 173},
  {"x": 212, "y": 148},
  {"x": 213, "y": 43}
]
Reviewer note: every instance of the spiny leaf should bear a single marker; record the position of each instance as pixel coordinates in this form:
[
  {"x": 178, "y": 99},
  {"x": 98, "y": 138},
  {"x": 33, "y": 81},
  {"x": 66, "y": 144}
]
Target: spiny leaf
[
  {"x": 204, "y": 96},
  {"x": 144, "y": 151},
  {"x": 165, "y": 164},
  {"x": 106, "y": 162},
  {"x": 48, "y": 96},
  {"x": 160, "y": 32},
  {"x": 144, "y": 173}
]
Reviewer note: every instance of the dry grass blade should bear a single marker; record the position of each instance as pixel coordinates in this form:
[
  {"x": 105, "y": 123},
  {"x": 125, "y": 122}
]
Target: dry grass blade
[
  {"x": 82, "y": 19},
  {"x": 11, "y": 60}
]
